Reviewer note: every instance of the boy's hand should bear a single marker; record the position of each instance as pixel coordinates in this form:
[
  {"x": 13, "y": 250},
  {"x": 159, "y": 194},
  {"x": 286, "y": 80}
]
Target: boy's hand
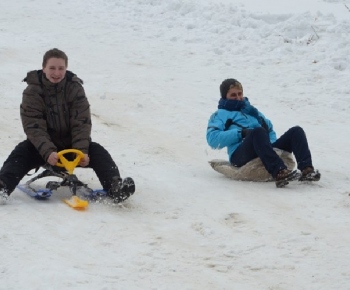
[
  {"x": 84, "y": 161},
  {"x": 246, "y": 132},
  {"x": 52, "y": 159}
]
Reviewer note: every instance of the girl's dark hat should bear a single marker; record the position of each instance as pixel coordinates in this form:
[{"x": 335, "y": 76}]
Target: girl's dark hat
[{"x": 228, "y": 84}]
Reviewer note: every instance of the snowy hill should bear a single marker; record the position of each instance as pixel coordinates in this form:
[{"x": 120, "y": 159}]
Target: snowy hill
[{"x": 152, "y": 71}]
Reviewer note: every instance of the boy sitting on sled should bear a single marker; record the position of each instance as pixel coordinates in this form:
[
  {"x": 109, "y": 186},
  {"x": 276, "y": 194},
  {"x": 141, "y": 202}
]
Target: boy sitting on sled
[
  {"x": 247, "y": 134},
  {"x": 55, "y": 116}
]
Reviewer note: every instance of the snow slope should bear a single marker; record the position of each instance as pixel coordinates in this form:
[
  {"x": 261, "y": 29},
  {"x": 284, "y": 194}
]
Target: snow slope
[{"x": 152, "y": 71}]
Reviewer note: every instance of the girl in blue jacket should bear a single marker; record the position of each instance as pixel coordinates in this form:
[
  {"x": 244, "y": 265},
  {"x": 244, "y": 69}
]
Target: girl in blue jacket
[{"x": 248, "y": 134}]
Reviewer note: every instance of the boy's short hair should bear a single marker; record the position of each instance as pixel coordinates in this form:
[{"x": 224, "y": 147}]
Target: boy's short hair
[{"x": 56, "y": 53}]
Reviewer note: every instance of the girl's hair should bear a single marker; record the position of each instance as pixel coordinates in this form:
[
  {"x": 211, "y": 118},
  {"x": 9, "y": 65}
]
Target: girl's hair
[{"x": 56, "y": 53}]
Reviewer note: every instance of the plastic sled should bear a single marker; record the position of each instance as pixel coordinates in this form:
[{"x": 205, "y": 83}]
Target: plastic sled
[{"x": 254, "y": 170}]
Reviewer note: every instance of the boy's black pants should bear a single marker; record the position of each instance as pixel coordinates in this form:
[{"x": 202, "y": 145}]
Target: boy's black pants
[
  {"x": 25, "y": 157},
  {"x": 257, "y": 144}
]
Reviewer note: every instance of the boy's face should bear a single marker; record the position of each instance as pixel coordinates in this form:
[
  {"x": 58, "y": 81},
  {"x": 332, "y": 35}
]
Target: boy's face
[
  {"x": 55, "y": 69},
  {"x": 235, "y": 94}
]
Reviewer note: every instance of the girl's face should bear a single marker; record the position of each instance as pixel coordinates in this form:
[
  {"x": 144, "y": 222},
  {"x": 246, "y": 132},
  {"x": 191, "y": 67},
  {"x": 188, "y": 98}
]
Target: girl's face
[
  {"x": 234, "y": 94},
  {"x": 55, "y": 69}
]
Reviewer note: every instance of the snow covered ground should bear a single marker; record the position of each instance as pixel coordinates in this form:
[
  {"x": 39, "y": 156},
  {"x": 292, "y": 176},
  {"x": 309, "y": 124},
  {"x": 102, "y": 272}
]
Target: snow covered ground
[{"x": 152, "y": 71}]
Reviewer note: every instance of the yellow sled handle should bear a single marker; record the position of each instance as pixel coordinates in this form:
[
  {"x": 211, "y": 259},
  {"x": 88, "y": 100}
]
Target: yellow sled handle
[{"x": 69, "y": 165}]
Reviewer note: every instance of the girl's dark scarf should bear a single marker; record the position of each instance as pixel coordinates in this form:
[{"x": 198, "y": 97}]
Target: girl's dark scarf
[{"x": 242, "y": 106}]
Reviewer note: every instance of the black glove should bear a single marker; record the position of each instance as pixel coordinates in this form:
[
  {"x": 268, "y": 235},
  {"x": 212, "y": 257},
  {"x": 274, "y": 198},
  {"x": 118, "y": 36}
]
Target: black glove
[
  {"x": 263, "y": 124},
  {"x": 245, "y": 132}
]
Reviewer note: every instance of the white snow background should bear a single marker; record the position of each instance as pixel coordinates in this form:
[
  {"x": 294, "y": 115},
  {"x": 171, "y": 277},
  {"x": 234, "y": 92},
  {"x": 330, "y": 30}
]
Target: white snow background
[{"x": 152, "y": 71}]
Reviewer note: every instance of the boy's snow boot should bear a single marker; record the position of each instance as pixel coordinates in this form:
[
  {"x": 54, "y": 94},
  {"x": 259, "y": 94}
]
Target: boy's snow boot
[
  {"x": 128, "y": 185},
  {"x": 121, "y": 189},
  {"x": 310, "y": 174},
  {"x": 285, "y": 175},
  {"x": 3, "y": 193}
]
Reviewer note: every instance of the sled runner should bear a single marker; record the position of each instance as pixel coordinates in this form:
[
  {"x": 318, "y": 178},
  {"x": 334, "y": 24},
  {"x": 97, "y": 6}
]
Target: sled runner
[{"x": 64, "y": 170}]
